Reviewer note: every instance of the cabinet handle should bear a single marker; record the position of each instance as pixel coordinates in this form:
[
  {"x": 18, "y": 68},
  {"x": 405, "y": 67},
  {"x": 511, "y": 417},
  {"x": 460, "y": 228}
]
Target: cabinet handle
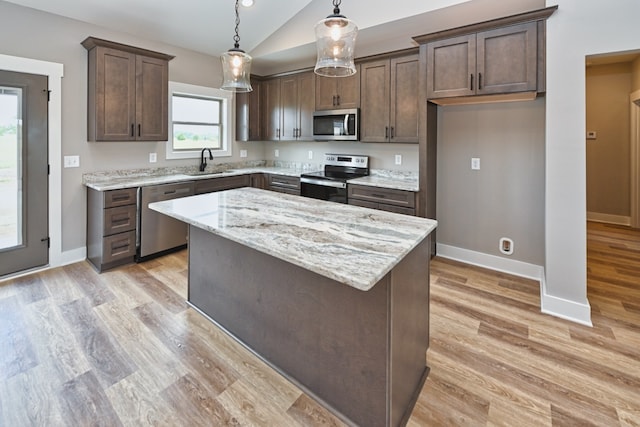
[
  {"x": 278, "y": 133},
  {"x": 132, "y": 127},
  {"x": 338, "y": 99},
  {"x": 479, "y": 81},
  {"x": 392, "y": 132},
  {"x": 379, "y": 196},
  {"x": 139, "y": 126},
  {"x": 471, "y": 81},
  {"x": 333, "y": 100},
  {"x": 386, "y": 131}
]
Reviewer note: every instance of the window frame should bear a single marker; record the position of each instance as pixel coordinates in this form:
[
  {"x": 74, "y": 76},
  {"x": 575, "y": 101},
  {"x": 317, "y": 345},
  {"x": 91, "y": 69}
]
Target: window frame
[{"x": 202, "y": 92}]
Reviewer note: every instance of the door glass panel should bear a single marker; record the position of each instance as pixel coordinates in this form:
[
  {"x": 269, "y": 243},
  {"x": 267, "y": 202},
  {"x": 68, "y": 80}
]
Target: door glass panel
[{"x": 11, "y": 234}]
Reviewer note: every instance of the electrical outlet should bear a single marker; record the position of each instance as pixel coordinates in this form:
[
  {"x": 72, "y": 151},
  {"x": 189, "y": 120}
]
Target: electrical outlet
[
  {"x": 506, "y": 246},
  {"x": 243, "y": 153},
  {"x": 71, "y": 161},
  {"x": 276, "y": 153},
  {"x": 592, "y": 134},
  {"x": 310, "y": 154},
  {"x": 153, "y": 157},
  {"x": 398, "y": 159},
  {"x": 475, "y": 163}
]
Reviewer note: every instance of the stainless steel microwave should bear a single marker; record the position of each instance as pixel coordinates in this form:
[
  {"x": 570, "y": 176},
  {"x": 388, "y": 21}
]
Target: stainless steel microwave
[{"x": 336, "y": 125}]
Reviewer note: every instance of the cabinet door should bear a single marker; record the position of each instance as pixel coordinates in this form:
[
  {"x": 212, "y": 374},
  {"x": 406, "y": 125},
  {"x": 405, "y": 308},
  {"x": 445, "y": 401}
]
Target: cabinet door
[
  {"x": 451, "y": 67},
  {"x": 115, "y": 95},
  {"x": 348, "y": 90},
  {"x": 306, "y": 104},
  {"x": 152, "y": 92},
  {"x": 326, "y": 92},
  {"x": 248, "y": 120},
  {"x": 507, "y": 59},
  {"x": 404, "y": 99},
  {"x": 374, "y": 101},
  {"x": 272, "y": 109},
  {"x": 289, "y": 107}
]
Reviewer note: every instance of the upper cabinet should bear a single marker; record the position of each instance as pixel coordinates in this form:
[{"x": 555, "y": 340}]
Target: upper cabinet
[
  {"x": 128, "y": 92},
  {"x": 497, "y": 61},
  {"x": 504, "y": 57},
  {"x": 297, "y": 98},
  {"x": 288, "y": 107},
  {"x": 248, "y": 113},
  {"x": 389, "y": 101},
  {"x": 338, "y": 92}
]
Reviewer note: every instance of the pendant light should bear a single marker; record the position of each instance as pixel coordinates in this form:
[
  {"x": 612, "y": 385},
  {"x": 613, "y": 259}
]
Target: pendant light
[
  {"x": 236, "y": 65},
  {"x": 335, "y": 41}
]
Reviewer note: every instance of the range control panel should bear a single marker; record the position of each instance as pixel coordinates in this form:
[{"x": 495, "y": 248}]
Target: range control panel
[{"x": 346, "y": 160}]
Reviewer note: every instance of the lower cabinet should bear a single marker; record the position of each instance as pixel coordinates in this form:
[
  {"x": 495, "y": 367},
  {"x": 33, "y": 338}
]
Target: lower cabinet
[
  {"x": 258, "y": 180},
  {"x": 284, "y": 184},
  {"x": 385, "y": 199},
  {"x": 224, "y": 183},
  {"x": 111, "y": 227}
]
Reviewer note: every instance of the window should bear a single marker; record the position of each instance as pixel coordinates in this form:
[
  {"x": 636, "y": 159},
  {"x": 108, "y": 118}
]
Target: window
[{"x": 199, "y": 118}]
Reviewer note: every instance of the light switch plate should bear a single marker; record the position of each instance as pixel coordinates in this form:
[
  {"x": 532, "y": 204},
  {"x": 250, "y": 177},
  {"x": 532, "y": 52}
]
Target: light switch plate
[
  {"x": 398, "y": 159},
  {"x": 243, "y": 153},
  {"x": 475, "y": 163},
  {"x": 153, "y": 157},
  {"x": 71, "y": 161},
  {"x": 276, "y": 153},
  {"x": 310, "y": 154}
]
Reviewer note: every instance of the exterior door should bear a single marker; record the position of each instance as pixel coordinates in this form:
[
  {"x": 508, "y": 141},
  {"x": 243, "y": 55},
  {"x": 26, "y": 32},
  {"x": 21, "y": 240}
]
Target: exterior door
[{"x": 24, "y": 181}]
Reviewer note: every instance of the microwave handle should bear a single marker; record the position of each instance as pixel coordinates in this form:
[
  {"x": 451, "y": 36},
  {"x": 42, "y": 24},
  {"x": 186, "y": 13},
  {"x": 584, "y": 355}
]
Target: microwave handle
[{"x": 346, "y": 124}]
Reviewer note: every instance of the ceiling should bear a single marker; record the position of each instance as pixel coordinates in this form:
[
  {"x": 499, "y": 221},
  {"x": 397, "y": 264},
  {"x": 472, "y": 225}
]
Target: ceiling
[{"x": 278, "y": 34}]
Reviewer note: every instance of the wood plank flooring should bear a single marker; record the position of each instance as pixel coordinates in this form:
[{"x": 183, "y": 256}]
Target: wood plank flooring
[{"x": 122, "y": 348}]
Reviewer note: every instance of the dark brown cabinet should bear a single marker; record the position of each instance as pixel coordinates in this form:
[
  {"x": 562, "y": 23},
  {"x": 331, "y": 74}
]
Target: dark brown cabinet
[
  {"x": 111, "y": 227},
  {"x": 257, "y": 180},
  {"x": 284, "y": 184},
  {"x": 222, "y": 183},
  {"x": 389, "y": 100},
  {"x": 385, "y": 199},
  {"x": 127, "y": 93},
  {"x": 297, "y": 102},
  {"x": 248, "y": 113},
  {"x": 271, "y": 96},
  {"x": 338, "y": 92},
  {"x": 497, "y": 61}
]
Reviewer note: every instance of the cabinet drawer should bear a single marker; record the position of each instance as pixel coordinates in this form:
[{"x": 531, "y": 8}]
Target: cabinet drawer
[
  {"x": 363, "y": 204},
  {"x": 219, "y": 184},
  {"x": 284, "y": 181},
  {"x": 118, "y": 246},
  {"x": 119, "y": 219},
  {"x": 123, "y": 197},
  {"x": 383, "y": 195},
  {"x": 397, "y": 209}
]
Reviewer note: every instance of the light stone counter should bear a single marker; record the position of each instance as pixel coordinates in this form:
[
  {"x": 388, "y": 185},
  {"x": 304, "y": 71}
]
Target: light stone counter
[
  {"x": 396, "y": 180},
  {"x": 116, "y": 180},
  {"x": 352, "y": 245}
]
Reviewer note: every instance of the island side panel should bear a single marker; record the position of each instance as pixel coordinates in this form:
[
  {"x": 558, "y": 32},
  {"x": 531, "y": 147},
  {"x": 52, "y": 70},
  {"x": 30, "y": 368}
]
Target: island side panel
[
  {"x": 328, "y": 337},
  {"x": 409, "y": 330}
]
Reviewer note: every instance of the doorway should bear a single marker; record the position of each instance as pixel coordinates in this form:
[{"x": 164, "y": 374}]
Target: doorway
[{"x": 24, "y": 229}]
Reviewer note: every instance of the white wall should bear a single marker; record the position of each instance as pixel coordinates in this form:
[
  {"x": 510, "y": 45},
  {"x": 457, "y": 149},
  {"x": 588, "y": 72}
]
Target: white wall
[{"x": 577, "y": 29}]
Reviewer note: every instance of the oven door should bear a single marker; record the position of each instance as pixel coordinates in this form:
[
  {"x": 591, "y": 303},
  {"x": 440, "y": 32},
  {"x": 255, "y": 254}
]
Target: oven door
[{"x": 322, "y": 189}]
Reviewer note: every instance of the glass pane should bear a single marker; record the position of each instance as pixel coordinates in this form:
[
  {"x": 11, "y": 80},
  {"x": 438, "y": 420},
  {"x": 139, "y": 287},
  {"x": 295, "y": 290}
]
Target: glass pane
[
  {"x": 195, "y": 110},
  {"x": 10, "y": 167},
  {"x": 190, "y": 137}
]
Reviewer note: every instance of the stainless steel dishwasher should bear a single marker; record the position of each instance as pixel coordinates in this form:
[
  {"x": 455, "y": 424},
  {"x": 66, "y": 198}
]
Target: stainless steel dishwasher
[{"x": 158, "y": 233}]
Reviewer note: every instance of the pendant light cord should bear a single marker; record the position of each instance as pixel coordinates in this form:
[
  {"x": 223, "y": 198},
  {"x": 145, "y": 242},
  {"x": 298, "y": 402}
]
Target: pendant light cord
[
  {"x": 336, "y": 7},
  {"x": 236, "y": 38}
]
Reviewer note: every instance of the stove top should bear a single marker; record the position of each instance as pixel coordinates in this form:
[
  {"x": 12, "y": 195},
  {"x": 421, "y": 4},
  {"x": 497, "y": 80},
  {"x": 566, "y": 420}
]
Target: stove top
[{"x": 341, "y": 167}]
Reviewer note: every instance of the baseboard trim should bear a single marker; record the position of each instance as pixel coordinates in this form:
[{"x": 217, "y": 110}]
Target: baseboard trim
[
  {"x": 549, "y": 304},
  {"x": 563, "y": 308},
  {"x": 609, "y": 219},
  {"x": 492, "y": 262}
]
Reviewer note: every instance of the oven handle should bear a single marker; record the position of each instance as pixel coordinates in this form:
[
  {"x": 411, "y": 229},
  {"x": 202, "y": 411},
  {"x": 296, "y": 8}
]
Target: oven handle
[{"x": 323, "y": 182}]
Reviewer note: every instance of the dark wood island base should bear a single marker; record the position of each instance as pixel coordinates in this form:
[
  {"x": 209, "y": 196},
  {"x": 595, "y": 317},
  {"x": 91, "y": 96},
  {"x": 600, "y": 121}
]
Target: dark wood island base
[{"x": 360, "y": 353}]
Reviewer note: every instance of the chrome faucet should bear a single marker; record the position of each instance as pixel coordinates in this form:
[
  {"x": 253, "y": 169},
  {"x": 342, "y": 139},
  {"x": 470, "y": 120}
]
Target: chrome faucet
[{"x": 203, "y": 160}]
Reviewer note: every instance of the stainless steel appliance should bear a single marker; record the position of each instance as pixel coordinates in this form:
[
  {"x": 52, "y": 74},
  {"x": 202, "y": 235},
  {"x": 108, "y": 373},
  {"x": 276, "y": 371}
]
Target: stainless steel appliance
[
  {"x": 331, "y": 183},
  {"x": 157, "y": 233},
  {"x": 336, "y": 125}
]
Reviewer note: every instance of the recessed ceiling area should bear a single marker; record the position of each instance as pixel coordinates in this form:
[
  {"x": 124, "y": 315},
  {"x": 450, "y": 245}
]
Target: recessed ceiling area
[{"x": 279, "y": 34}]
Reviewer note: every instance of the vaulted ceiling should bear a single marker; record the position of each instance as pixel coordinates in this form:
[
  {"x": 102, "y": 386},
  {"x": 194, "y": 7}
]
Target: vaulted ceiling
[{"x": 278, "y": 33}]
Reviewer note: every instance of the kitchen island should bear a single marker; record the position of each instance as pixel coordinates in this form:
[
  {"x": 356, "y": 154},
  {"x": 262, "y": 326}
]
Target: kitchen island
[{"x": 334, "y": 297}]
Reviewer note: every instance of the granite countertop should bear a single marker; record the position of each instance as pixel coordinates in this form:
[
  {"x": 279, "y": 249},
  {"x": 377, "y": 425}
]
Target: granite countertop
[
  {"x": 352, "y": 245},
  {"x": 117, "y": 180}
]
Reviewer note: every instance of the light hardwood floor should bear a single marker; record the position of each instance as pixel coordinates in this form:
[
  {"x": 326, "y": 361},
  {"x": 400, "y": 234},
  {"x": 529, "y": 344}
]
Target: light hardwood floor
[{"x": 122, "y": 348}]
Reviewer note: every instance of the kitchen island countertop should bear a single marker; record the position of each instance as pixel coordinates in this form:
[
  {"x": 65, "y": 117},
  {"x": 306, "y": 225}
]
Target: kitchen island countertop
[{"x": 353, "y": 245}]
